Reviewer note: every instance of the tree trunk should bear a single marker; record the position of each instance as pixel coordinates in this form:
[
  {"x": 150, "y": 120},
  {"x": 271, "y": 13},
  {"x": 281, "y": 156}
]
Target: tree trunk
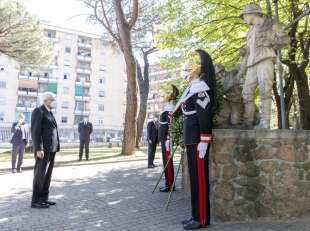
[
  {"x": 130, "y": 129},
  {"x": 143, "y": 82},
  {"x": 301, "y": 79}
]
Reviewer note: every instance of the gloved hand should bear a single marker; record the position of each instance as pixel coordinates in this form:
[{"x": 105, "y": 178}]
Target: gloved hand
[
  {"x": 150, "y": 141},
  {"x": 202, "y": 149},
  {"x": 167, "y": 145}
]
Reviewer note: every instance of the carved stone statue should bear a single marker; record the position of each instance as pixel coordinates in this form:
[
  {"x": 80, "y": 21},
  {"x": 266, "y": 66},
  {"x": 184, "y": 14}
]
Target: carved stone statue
[
  {"x": 263, "y": 38},
  {"x": 230, "y": 115}
]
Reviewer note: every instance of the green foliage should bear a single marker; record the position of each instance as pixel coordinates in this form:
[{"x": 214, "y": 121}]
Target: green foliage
[
  {"x": 21, "y": 36},
  {"x": 211, "y": 25}
]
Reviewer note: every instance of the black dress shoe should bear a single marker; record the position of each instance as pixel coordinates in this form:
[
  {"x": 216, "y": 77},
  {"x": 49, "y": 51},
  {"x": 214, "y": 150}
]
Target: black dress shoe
[
  {"x": 50, "y": 202},
  {"x": 164, "y": 189},
  {"x": 151, "y": 166},
  {"x": 184, "y": 222},
  {"x": 39, "y": 205},
  {"x": 192, "y": 225}
]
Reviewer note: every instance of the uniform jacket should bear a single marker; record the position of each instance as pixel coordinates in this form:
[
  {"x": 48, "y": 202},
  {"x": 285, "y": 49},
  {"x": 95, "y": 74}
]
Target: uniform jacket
[
  {"x": 85, "y": 130},
  {"x": 152, "y": 132},
  {"x": 44, "y": 131},
  {"x": 197, "y": 114},
  {"x": 164, "y": 121}
]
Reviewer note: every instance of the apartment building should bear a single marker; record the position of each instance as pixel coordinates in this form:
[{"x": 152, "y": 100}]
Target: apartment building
[
  {"x": 159, "y": 77},
  {"x": 87, "y": 75}
]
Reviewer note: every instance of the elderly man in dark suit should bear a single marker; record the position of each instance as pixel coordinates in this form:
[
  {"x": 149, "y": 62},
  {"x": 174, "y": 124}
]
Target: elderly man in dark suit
[
  {"x": 85, "y": 129},
  {"x": 152, "y": 138},
  {"x": 19, "y": 141},
  {"x": 45, "y": 145}
]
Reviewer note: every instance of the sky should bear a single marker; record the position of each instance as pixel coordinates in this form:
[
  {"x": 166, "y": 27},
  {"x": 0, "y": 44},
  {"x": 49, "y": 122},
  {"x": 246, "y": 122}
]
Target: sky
[
  {"x": 70, "y": 14},
  {"x": 66, "y": 13}
]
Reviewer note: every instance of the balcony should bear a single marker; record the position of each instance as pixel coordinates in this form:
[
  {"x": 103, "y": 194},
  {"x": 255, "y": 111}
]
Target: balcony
[
  {"x": 52, "y": 39},
  {"x": 82, "y": 98},
  {"x": 27, "y": 93},
  {"x": 84, "y": 45},
  {"x": 43, "y": 79},
  {"x": 54, "y": 66},
  {"x": 82, "y": 83},
  {"x": 81, "y": 70},
  {"x": 83, "y": 58},
  {"x": 21, "y": 109},
  {"x": 81, "y": 112}
]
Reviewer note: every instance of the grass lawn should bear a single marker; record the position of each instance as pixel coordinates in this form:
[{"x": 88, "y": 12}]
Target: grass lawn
[{"x": 71, "y": 155}]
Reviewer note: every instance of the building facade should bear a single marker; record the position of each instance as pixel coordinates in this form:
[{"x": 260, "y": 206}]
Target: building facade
[
  {"x": 158, "y": 78},
  {"x": 88, "y": 77}
]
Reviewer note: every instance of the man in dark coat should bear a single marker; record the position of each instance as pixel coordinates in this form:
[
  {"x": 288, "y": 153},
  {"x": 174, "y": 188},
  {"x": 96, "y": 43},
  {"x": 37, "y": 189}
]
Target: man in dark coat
[
  {"x": 85, "y": 129},
  {"x": 45, "y": 141},
  {"x": 19, "y": 141},
  {"x": 152, "y": 139}
]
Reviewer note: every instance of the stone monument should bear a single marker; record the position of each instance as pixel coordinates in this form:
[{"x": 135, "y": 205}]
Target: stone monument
[{"x": 263, "y": 38}]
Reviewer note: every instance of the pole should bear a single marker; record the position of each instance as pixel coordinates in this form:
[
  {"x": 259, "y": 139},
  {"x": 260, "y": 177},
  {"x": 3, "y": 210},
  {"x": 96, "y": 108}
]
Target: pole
[
  {"x": 175, "y": 179},
  {"x": 280, "y": 73},
  {"x": 161, "y": 175}
]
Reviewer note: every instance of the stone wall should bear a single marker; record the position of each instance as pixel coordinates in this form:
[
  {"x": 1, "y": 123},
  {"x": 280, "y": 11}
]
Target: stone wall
[
  {"x": 256, "y": 174},
  {"x": 260, "y": 174}
]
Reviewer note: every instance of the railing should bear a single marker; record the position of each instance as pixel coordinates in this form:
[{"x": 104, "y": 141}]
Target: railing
[
  {"x": 83, "y": 70},
  {"x": 84, "y": 58},
  {"x": 84, "y": 45}
]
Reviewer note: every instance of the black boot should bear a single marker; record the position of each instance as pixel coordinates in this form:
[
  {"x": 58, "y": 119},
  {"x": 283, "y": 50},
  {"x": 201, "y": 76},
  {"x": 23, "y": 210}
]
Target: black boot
[
  {"x": 184, "y": 222},
  {"x": 192, "y": 225}
]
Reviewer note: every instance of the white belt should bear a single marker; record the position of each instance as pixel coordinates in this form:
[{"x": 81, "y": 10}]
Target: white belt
[
  {"x": 188, "y": 112},
  {"x": 162, "y": 122}
]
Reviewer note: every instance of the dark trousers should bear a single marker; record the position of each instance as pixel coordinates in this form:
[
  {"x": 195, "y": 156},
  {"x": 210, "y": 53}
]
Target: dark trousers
[
  {"x": 199, "y": 182},
  {"x": 169, "y": 172},
  {"x": 43, "y": 169},
  {"x": 18, "y": 150},
  {"x": 84, "y": 143},
  {"x": 151, "y": 150}
]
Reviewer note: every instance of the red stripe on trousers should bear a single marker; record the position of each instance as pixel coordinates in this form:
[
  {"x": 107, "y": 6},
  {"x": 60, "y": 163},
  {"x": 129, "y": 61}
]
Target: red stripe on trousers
[
  {"x": 169, "y": 169},
  {"x": 202, "y": 190}
]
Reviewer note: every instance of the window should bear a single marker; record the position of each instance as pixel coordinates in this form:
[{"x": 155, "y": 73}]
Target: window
[
  {"x": 65, "y": 90},
  {"x": 100, "y": 121},
  {"x": 67, "y": 63},
  {"x": 68, "y": 49},
  {"x": 2, "y": 100},
  {"x": 1, "y": 116},
  {"x": 100, "y": 107},
  {"x": 101, "y": 81},
  {"x": 1, "y": 68},
  {"x": 64, "y": 119},
  {"x": 65, "y": 104},
  {"x": 66, "y": 76},
  {"x": 2, "y": 84},
  {"x": 102, "y": 68},
  {"x": 101, "y": 93}
]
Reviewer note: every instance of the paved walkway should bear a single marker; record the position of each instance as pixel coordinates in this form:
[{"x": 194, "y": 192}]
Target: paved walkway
[{"x": 115, "y": 196}]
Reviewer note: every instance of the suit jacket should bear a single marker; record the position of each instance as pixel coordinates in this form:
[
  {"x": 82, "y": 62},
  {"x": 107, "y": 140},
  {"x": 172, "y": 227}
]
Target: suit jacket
[
  {"x": 44, "y": 130},
  {"x": 19, "y": 134},
  {"x": 152, "y": 132},
  {"x": 85, "y": 130}
]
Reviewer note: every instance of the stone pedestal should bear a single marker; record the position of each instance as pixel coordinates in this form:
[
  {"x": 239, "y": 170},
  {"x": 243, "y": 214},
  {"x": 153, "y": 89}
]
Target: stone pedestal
[{"x": 258, "y": 174}]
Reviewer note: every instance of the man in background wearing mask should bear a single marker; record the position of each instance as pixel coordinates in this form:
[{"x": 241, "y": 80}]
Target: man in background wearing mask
[
  {"x": 19, "y": 141},
  {"x": 85, "y": 129},
  {"x": 45, "y": 145}
]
